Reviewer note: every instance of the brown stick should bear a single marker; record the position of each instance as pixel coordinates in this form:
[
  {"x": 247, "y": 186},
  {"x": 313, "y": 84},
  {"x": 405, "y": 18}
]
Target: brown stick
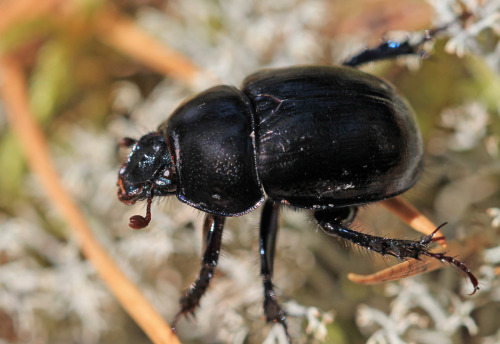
[
  {"x": 396, "y": 272},
  {"x": 113, "y": 29},
  {"x": 14, "y": 94},
  {"x": 13, "y": 12},
  {"x": 122, "y": 34}
]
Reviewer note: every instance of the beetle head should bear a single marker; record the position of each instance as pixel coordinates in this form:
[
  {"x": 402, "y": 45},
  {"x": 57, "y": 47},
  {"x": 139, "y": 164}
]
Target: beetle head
[{"x": 148, "y": 167}]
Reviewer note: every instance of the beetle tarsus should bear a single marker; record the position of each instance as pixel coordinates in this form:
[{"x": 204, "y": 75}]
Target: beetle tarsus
[
  {"x": 273, "y": 311},
  {"x": 458, "y": 264},
  {"x": 451, "y": 260}
]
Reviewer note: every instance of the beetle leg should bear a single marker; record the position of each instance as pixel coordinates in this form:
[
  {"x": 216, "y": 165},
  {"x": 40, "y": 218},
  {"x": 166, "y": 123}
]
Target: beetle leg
[
  {"x": 267, "y": 245},
  {"x": 408, "y": 214},
  {"x": 391, "y": 49},
  {"x": 386, "y": 50},
  {"x": 331, "y": 221},
  {"x": 416, "y": 220},
  {"x": 213, "y": 227}
]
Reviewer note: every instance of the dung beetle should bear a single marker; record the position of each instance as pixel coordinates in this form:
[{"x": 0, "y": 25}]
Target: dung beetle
[{"x": 323, "y": 138}]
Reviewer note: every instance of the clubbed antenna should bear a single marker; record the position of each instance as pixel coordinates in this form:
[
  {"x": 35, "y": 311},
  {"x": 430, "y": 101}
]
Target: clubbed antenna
[{"x": 140, "y": 222}]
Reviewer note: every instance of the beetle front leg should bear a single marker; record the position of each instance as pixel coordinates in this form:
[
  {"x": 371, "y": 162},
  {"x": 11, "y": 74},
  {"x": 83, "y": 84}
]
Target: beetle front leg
[
  {"x": 267, "y": 245},
  {"x": 212, "y": 228}
]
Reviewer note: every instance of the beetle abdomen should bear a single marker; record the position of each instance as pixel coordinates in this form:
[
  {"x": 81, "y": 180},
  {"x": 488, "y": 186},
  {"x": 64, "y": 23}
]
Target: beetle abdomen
[
  {"x": 214, "y": 154},
  {"x": 332, "y": 136}
]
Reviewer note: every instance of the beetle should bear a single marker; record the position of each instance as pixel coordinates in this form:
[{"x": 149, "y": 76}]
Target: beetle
[{"x": 327, "y": 139}]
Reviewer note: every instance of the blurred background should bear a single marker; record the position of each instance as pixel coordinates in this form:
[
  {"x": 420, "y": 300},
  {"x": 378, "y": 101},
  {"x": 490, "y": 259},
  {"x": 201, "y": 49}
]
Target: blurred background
[{"x": 97, "y": 71}]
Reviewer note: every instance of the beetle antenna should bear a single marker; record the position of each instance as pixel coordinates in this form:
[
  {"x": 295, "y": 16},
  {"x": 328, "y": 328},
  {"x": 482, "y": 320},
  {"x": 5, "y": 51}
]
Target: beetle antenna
[{"x": 140, "y": 222}]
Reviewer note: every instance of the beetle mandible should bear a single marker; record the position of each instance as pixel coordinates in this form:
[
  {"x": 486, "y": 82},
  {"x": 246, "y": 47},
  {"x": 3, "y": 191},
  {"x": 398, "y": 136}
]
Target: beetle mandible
[{"x": 323, "y": 138}]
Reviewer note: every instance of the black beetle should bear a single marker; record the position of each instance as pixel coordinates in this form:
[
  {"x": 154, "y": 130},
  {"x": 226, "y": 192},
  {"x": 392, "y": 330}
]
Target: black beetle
[{"x": 322, "y": 138}]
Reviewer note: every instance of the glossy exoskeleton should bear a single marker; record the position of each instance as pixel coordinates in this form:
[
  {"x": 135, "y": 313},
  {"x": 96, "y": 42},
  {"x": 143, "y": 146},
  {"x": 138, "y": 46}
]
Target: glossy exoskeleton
[{"x": 326, "y": 139}]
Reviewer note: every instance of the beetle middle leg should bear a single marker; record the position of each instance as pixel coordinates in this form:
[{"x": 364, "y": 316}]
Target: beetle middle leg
[
  {"x": 212, "y": 228},
  {"x": 267, "y": 245}
]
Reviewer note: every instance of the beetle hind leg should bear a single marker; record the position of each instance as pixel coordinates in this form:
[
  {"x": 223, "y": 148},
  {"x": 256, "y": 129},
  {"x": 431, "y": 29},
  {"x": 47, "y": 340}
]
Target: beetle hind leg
[
  {"x": 416, "y": 220},
  {"x": 408, "y": 214},
  {"x": 332, "y": 221},
  {"x": 267, "y": 245},
  {"x": 335, "y": 222},
  {"x": 212, "y": 229}
]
